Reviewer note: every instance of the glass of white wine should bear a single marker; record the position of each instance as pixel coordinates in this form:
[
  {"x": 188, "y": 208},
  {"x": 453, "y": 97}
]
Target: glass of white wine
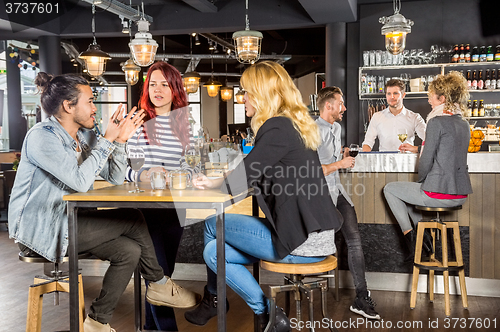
[
  {"x": 192, "y": 155},
  {"x": 135, "y": 159},
  {"x": 402, "y": 135}
]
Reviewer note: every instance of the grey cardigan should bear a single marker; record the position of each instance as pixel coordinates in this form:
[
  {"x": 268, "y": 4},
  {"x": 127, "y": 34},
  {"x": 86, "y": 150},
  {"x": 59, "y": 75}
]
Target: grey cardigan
[{"x": 443, "y": 164}]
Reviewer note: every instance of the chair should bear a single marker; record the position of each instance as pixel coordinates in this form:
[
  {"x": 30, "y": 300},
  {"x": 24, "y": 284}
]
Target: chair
[
  {"x": 56, "y": 283},
  {"x": 445, "y": 265},
  {"x": 294, "y": 283}
]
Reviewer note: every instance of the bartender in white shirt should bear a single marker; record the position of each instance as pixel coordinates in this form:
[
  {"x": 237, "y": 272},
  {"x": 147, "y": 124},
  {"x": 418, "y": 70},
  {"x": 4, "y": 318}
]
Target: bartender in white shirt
[{"x": 386, "y": 123}]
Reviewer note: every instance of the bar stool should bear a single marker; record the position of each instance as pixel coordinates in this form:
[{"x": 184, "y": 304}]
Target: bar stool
[
  {"x": 294, "y": 283},
  {"x": 56, "y": 283},
  {"x": 435, "y": 265}
]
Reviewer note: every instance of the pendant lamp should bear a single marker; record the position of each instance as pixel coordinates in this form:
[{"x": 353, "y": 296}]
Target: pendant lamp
[
  {"x": 247, "y": 42},
  {"x": 395, "y": 28}
]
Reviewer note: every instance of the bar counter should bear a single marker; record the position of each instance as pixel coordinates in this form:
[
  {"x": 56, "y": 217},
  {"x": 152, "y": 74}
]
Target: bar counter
[{"x": 479, "y": 224}]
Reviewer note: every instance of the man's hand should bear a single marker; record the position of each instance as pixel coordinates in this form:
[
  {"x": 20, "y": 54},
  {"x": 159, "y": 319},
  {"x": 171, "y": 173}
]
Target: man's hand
[{"x": 121, "y": 129}]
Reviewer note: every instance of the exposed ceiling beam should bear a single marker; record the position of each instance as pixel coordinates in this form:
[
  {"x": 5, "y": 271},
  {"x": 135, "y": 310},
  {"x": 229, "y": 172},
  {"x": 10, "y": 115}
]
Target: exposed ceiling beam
[
  {"x": 203, "y": 6},
  {"x": 118, "y": 8},
  {"x": 323, "y": 12}
]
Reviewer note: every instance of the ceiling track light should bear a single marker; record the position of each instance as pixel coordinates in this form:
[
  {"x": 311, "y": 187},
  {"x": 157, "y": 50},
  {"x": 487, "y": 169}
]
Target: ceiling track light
[
  {"x": 125, "y": 25},
  {"x": 395, "y": 28}
]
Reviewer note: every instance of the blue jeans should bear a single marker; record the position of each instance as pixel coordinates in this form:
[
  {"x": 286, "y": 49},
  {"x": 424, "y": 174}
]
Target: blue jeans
[
  {"x": 403, "y": 196},
  {"x": 248, "y": 239}
]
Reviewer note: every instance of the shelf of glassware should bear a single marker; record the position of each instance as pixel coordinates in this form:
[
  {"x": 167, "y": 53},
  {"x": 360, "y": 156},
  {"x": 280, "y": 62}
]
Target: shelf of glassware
[{"x": 421, "y": 94}]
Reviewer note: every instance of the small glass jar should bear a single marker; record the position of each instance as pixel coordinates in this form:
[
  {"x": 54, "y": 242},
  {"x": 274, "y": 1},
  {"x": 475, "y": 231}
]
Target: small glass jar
[{"x": 178, "y": 179}]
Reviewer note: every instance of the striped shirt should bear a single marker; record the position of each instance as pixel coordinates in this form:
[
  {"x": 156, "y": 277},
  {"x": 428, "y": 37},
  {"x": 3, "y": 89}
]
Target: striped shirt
[{"x": 169, "y": 154}]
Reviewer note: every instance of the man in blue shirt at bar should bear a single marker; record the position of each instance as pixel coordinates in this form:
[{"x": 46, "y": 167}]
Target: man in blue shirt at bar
[{"x": 331, "y": 106}]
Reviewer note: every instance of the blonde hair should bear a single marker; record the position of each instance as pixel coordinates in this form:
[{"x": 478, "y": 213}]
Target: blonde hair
[
  {"x": 453, "y": 87},
  {"x": 272, "y": 93}
]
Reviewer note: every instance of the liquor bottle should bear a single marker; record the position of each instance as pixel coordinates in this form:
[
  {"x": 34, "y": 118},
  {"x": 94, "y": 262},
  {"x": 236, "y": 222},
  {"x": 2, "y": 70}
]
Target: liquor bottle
[
  {"x": 482, "y": 54},
  {"x": 490, "y": 56},
  {"x": 474, "y": 108},
  {"x": 487, "y": 80},
  {"x": 474, "y": 80},
  {"x": 498, "y": 79},
  {"x": 493, "y": 83},
  {"x": 468, "y": 112},
  {"x": 480, "y": 110},
  {"x": 455, "y": 55},
  {"x": 497, "y": 53},
  {"x": 467, "y": 53},
  {"x": 469, "y": 79},
  {"x": 475, "y": 54},
  {"x": 461, "y": 56}
]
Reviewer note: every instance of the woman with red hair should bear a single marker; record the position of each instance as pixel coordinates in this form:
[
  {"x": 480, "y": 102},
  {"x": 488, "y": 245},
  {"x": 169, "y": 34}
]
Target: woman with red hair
[{"x": 163, "y": 137}]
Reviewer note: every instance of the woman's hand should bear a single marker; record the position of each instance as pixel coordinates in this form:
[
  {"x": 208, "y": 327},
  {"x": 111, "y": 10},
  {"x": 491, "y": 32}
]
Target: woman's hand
[
  {"x": 146, "y": 175},
  {"x": 200, "y": 181}
]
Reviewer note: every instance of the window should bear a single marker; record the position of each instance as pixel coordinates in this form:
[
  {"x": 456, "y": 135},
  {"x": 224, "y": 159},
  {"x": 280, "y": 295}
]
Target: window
[
  {"x": 194, "y": 100},
  {"x": 239, "y": 109}
]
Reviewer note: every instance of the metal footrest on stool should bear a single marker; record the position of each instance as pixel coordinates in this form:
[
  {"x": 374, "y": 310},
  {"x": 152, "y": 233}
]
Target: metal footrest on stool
[
  {"x": 295, "y": 284},
  {"x": 445, "y": 265}
]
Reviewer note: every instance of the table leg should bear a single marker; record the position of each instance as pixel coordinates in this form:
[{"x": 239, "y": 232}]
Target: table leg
[
  {"x": 138, "y": 299},
  {"x": 73, "y": 267},
  {"x": 221, "y": 268}
]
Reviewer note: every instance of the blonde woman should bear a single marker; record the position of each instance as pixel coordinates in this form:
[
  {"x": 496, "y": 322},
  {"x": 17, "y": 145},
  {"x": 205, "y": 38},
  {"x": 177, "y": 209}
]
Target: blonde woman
[
  {"x": 284, "y": 170},
  {"x": 443, "y": 178}
]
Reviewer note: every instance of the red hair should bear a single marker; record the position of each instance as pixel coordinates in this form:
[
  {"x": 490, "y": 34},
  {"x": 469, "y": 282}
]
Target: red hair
[{"x": 179, "y": 115}]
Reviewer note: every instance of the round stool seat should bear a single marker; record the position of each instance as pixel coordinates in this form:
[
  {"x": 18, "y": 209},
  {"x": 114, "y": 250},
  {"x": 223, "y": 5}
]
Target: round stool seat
[
  {"x": 438, "y": 209},
  {"x": 328, "y": 264},
  {"x": 29, "y": 256}
]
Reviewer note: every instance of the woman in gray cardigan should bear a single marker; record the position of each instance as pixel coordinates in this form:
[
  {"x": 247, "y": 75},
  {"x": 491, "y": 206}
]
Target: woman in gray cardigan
[{"x": 443, "y": 178}]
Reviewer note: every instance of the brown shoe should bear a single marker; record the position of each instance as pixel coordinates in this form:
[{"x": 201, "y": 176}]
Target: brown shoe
[
  {"x": 90, "y": 325},
  {"x": 171, "y": 295}
]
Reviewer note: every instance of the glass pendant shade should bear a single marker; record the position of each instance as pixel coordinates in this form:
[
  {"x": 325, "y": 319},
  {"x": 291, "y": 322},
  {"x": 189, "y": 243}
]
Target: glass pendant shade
[
  {"x": 191, "y": 81},
  {"x": 226, "y": 93},
  {"x": 213, "y": 87},
  {"x": 395, "y": 29},
  {"x": 239, "y": 96},
  {"x": 95, "y": 60},
  {"x": 131, "y": 71},
  {"x": 143, "y": 47},
  {"x": 247, "y": 45}
]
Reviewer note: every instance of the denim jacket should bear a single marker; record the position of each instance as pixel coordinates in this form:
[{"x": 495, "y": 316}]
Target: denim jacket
[{"x": 49, "y": 170}]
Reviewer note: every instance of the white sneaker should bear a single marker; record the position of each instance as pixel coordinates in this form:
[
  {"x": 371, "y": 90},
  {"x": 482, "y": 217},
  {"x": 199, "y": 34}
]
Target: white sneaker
[{"x": 90, "y": 325}]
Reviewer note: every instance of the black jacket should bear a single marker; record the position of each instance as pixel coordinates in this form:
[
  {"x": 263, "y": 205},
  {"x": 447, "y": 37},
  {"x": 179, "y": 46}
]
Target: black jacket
[{"x": 289, "y": 184}]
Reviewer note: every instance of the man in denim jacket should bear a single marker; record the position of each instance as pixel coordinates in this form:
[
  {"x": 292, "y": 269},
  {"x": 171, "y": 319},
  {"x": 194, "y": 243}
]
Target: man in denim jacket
[{"x": 62, "y": 155}]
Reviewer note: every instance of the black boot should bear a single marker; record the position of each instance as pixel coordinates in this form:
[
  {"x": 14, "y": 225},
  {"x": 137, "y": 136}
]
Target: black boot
[
  {"x": 427, "y": 243},
  {"x": 206, "y": 310},
  {"x": 410, "y": 243},
  {"x": 281, "y": 321}
]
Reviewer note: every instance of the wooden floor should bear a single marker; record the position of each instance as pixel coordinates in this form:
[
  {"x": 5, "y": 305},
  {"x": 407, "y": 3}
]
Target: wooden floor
[{"x": 16, "y": 276}]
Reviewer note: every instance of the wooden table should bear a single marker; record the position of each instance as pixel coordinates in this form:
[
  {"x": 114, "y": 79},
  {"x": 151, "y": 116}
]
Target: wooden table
[{"x": 119, "y": 197}]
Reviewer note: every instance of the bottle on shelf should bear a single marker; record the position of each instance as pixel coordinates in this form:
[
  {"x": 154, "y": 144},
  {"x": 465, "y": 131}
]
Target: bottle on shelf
[
  {"x": 480, "y": 81},
  {"x": 469, "y": 79},
  {"x": 482, "y": 54},
  {"x": 493, "y": 83},
  {"x": 498, "y": 79},
  {"x": 474, "y": 108},
  {"x": 480, "y": 110},
  {"x": 456, "y": 54},
  {"x": 490, "y": 56},
  {"x": 467, "y": 53},
  {"x": 475, "y": 54},
  {"x": 497, "y": 53},
  {"x": 468, "y": 112},
  {"x": 487, "y": 80},
  {"x": 461, "y": 56},
  {"x": 474, "y": 80}
]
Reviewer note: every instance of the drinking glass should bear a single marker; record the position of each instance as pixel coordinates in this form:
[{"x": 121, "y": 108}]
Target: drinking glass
[
  {"x": 193, "y": 157},
  {"x": 366, "y": 58},
  {"x": 135, "y": 159},
  {"x": 402, "y": 134},
  {"x": 353, "y": 150}
]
